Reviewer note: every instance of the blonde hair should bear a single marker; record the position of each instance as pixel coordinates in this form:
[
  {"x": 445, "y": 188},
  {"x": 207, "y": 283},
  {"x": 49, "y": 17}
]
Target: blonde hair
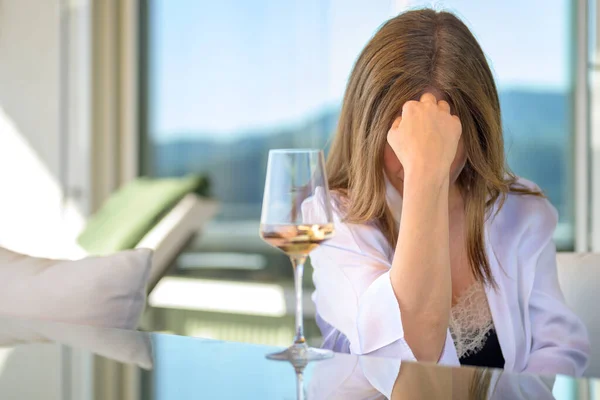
[{"x": 413, "y": 51}]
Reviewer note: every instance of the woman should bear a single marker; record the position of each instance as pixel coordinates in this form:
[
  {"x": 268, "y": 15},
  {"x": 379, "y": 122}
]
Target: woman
[{"x": 440, "y": 253}]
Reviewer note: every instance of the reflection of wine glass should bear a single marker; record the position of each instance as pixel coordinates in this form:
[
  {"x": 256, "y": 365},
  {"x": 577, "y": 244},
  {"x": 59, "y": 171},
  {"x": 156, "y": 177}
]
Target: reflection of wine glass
[{"x": 296, "y": 218}]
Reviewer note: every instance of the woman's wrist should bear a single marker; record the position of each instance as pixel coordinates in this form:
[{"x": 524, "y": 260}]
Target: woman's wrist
[{"x": 429, "y": 177}]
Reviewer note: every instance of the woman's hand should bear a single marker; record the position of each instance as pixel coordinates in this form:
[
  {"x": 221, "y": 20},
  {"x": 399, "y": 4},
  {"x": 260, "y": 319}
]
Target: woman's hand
[{"x": 425, "y": 138}]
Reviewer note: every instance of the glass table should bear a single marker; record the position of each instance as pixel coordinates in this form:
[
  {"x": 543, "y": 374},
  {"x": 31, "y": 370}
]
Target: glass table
[{"x": 48, "y": 360}]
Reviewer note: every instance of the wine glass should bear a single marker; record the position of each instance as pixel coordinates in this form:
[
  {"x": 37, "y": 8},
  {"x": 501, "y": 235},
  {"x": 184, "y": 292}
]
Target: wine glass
[{"x": 296, "y": 218}]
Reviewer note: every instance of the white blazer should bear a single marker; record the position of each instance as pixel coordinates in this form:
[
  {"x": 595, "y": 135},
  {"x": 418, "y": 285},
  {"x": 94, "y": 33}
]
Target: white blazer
[{"x": 357, "y": 310}]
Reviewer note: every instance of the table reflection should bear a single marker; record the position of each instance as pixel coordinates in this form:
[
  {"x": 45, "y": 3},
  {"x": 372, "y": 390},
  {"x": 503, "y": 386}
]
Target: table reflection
[
  {"x": 128, "y": 347},
  {"x": 164, "y": 367},
  {"x": 379, "y": 378}
]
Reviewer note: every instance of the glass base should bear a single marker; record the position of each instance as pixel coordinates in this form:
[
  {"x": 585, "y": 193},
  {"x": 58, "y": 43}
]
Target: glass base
[{"x": 300, "y": 355}]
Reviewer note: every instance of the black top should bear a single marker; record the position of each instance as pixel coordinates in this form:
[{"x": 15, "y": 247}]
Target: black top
[{"x": 489, "y": 356}]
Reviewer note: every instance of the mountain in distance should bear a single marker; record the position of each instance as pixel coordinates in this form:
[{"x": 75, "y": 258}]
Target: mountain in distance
[
  {"x": 537, "y": 132},
  {"x": 538, "y": 142}
]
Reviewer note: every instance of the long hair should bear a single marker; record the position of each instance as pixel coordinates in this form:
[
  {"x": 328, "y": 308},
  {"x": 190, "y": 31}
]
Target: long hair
[{"x": 410, "y": 52}]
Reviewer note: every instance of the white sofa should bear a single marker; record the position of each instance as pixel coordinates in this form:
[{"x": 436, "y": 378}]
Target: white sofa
[
  {"x": 166, "y": 239},
  {"x": 579, "y": 278},
  {"x": 174, "y": 231}
]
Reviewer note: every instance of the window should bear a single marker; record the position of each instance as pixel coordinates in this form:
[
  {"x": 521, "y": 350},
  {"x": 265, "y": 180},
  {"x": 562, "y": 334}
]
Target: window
[
  {"x": 228, "y": 80},
  {"x": 532, "y": 63}
]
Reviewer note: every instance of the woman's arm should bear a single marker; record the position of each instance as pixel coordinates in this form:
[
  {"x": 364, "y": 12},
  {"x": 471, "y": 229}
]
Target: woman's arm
[
  {"x": 356, "y": 304},
  {"x": 420, "y": 271},
  {"x": 425, "y": 140}
]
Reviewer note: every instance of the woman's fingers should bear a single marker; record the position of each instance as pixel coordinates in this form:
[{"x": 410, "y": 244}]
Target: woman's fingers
[
  {"x": 396, "y": 122},
  {"x": 428, "y": 98},
  {"x": 443, "y": 105}
]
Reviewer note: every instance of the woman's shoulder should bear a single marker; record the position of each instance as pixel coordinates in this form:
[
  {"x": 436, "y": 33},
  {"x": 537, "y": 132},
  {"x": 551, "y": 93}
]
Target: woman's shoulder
[{"x": 525, "y": 212}]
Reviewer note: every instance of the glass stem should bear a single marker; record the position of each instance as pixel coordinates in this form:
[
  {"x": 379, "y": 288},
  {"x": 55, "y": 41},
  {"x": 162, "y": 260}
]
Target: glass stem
[
  {"x": 299, "y": 386},
  {"x": 298, "y": 264}
]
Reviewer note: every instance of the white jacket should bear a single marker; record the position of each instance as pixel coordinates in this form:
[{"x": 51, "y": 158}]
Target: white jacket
[{"x": 358, "y": 313}]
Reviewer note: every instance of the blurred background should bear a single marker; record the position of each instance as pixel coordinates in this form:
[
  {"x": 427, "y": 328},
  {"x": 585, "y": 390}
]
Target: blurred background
[{"x": 95, "y": 94}]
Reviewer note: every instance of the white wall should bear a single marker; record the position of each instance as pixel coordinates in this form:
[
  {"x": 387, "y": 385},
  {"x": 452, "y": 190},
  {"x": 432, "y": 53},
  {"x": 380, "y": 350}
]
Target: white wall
[
  {"x": 31, "y": 212},
  {"x": 29, "y": 73}
]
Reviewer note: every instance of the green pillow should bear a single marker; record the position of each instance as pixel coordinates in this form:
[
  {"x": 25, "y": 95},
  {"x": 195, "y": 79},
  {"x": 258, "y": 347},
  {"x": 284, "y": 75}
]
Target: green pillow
[{"x": 132, "y": 211}]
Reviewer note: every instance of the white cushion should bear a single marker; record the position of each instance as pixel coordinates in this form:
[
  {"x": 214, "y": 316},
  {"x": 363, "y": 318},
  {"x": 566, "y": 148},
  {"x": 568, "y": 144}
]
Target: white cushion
[
  {"x": 579, "y": 276},
  {"x": 101, "y": 291}
]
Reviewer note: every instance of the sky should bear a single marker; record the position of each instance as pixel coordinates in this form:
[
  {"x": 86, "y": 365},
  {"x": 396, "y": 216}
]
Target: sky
[{"x": 230, "y": 66}]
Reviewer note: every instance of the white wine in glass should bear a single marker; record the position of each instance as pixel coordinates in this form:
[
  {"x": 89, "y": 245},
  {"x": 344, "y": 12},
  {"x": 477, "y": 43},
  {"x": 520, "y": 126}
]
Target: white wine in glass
[
  {"x": 296, "y": 240},
  {"x": 296, "y": 218}
]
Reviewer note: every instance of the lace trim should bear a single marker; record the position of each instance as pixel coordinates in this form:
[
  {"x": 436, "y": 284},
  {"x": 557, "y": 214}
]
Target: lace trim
[{"x": 471, "y": 321}]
